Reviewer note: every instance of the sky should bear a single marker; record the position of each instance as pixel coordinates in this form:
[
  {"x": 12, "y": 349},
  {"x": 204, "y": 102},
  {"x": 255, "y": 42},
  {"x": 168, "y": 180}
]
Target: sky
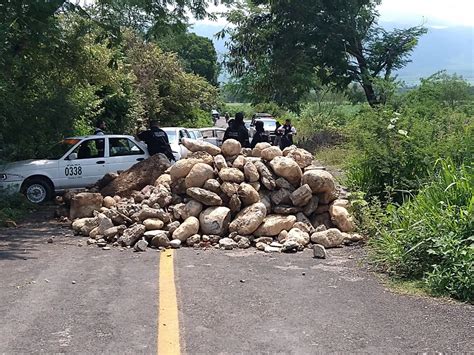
[{"x": 431, "y": 13}]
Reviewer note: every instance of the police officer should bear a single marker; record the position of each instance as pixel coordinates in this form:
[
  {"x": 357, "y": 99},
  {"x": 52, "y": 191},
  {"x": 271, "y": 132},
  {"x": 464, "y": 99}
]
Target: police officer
[
  {"x": 259, "y": 136},
  {"x": 237, "y": 130},
  {"x": 100, "y": 127},
  {"x": 156, "y": 140}
]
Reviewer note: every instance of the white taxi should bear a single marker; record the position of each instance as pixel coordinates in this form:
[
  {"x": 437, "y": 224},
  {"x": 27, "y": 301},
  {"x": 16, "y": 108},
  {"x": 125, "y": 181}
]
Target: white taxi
[{"x": 73, "y": 163}]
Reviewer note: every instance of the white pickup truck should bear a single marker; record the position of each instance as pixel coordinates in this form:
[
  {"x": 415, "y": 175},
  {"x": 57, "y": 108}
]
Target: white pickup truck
[{"x": 75, "y": 162}]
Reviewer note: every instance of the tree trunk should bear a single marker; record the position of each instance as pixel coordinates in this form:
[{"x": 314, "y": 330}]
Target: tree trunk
[{"x": 370, "y": 93}]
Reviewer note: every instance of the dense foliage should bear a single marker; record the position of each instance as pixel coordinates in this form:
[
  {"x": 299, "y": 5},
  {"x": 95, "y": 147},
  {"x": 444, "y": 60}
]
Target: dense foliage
[
  {"x": 431, "y": 236},
  {"x": 63, "y": 67}
]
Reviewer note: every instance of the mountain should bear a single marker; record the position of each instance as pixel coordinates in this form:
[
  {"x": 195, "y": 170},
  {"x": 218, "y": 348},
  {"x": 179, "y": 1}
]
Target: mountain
[{"x": 443, "y": 48}]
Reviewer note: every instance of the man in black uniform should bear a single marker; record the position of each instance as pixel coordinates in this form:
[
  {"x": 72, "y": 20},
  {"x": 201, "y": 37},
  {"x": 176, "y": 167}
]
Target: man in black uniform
[
  {"x": 100, "y": 127},
  {"x": 238, "y": 131},
  {"x": 156, "y": 140}
]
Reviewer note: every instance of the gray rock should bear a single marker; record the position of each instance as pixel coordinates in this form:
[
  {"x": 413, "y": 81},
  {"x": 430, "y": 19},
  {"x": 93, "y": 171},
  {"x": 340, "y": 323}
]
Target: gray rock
[
  {"x": 243, "y": 243},
  {"x": 132, "y": 234},
  {"x": 290, "y": 245},
  {"x": 270, "y": 249},
  {"x": 193, "y": 240},
  {"x": 206, "y": 197},
  {"x": 160, "y": 240},
  {"x": 319, "y": 251},
  {"x": 301, "y": 196},
  {"x": 175, "y": 243},
  {"x": 227, "y": 243},
  {"x": 141, "y": 245}
]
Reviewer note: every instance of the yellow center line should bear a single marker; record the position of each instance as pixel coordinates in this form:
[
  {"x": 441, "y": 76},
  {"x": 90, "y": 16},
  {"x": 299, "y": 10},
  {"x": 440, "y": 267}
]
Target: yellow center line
[{"x": 168, "y": 322}]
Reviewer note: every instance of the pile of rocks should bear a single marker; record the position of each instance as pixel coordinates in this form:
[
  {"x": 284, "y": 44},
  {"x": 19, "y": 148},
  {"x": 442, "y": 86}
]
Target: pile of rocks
[{"x": 228, "y": 197}]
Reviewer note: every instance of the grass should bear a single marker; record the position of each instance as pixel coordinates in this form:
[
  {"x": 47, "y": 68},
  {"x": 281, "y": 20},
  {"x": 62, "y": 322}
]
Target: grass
[
  {"x": 335, "y": 156},
  {"x": 430, "y": 238}
]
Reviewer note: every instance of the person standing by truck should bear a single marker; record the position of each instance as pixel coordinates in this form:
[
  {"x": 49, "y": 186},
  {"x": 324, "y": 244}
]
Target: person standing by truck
[
  {"x": 156, "y": 140},
  {"x": 287, "y": 131},
  {"x": 237, "y": 130}
]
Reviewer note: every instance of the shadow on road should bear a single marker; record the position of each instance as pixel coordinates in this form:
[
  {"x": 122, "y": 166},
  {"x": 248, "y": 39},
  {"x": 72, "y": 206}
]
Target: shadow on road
[{"x": 22, "y": 242}]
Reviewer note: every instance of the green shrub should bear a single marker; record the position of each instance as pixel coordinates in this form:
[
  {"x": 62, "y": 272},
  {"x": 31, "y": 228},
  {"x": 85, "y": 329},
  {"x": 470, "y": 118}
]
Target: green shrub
[
  {"x": 396, "y": 151},
  {"x": 431, "y": 237},
  {"x": 13, "y": 207}
]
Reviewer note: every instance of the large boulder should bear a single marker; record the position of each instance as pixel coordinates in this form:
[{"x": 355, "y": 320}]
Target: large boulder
[
  {"x": 298, "y": 235},
  {"x": 239, "y": 162},
  {"x": 249, "y": 219},
  {"x": 220, "y": 162},
  {"x": 182, "y": 168},
  {"x": 203, "y": 156},
  {"x": 302, "y": 157},
  {"x": 212, "y": 185},
  {"x": 256, "y": 152},
  {"x": 186, "y": 229},
  {"x": 164, "y": 179},
  {"x": 319, "y": 181},
  {"x": 153, "y": 224},
  {"x": 251, "y": 172},
  {"x": 266, "y": 177},
  {"x": 329, "y": 238},
  {"x": 341, "y": 218},
  {"x": 197, "y": 145},
  {"x": 312, "y": 206},
  {"x": 147, "y": 212},
  {"x": 235, "y": 204},
  {"x": 192, "y": 208},
  {"x": 84, "y": 204},
  {"x": 138, "y": 176},
  {"x": 247, "y": 194},
  {"x": 206, "y": 197},
  {"x": 104, "y": 223},
  {"x": 215, "y": 220},
  {"x": 160, "y": 239},
  {"x": 229, "y": 188},
  {"x": 301, "y": 196},
  {"x": 132, "y": 234},
  {"x": 232, "y": 175},
  {"x": 85, "y": 225},
  {"x": 270, "y": 153},
  {"x": 272, "y": 225},
  {"x": 281, "y": 197},
  {"x": 231, "y": 147},
  {"x": 288, "y": 169},
  {"x": 198, "y": 175}
]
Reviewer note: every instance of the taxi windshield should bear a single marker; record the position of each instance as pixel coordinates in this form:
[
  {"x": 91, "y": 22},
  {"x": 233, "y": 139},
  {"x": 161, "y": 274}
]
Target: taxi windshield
[{"x": 61, "y": 148}]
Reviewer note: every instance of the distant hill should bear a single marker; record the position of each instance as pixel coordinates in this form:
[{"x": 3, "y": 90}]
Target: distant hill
[{"x": 450, "y": 49}]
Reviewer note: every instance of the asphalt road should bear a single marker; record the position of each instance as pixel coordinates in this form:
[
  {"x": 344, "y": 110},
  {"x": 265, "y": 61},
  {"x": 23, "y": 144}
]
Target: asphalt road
[{"x": 59, "y": 297}]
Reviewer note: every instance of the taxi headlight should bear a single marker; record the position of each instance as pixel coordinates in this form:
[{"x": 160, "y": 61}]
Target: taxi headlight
[{"x": 10, "y": 177}]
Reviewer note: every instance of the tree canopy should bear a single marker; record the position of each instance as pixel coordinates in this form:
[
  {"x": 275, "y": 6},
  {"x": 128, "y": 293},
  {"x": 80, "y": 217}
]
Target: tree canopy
[{"x": 282, "y": 46}]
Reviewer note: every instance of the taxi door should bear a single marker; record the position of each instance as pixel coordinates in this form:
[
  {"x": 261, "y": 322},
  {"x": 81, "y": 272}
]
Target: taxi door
[
  {"x": 85, "y": 166},
  {"x": 122, "y": 154}
]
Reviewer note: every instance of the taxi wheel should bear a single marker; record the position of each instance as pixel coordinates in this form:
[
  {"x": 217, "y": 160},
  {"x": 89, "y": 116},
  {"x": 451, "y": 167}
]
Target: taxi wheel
[{"x": 37, "y": 190}]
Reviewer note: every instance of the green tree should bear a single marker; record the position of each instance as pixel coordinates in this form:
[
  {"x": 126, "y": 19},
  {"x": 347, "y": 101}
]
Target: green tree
[
  {"x": 168, "y": 93},
  {"x": 196, "y": 53},
  {"x": 283, "y": 45}
]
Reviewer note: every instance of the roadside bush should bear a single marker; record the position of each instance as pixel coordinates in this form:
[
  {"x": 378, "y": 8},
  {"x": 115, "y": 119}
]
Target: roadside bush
[
  {"x": 431, "y": 237},
  {"x": 14, "y": 207},
  {"x": 396, "y": 151}
]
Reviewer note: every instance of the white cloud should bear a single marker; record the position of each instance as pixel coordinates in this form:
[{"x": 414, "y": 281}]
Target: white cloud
[{"x": 428, "y": 12}]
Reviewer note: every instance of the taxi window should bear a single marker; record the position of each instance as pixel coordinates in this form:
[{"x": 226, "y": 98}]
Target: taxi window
[
  {"x": 220, "y": 134},
  {"x": 123, "y": 146},
  {"x": 92, "y": 148}
]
